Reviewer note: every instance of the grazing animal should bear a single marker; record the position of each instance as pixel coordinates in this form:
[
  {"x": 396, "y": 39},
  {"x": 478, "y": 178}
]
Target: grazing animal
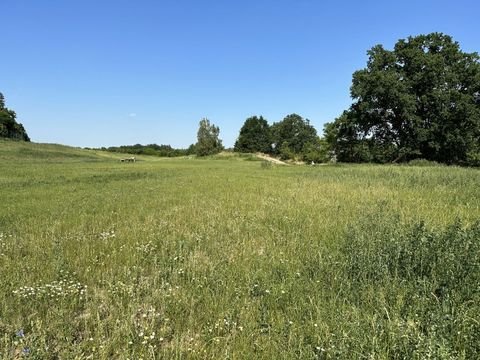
[{"x": 130, "y": 159}]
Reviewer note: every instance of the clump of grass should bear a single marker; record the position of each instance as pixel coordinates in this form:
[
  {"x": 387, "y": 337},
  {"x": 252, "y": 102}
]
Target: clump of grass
[
  {"x": 265, "y": 164},
  {"x": 420, "y": 286},
  {"x": 423, "y": 162}
]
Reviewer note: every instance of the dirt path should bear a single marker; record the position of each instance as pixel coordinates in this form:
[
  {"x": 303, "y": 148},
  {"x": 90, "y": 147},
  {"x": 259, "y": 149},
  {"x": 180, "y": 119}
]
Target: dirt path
[{"x": 271, "y": 159}]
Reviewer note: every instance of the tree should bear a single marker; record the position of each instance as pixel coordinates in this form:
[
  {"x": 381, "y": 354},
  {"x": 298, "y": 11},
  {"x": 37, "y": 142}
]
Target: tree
[
  {"x": 9, "y": 128},
  {"x": 421, "y": 100},
  {"x": 291, "y": 135},
  {"x": 208, "y": 142},
  {"x": 317, "y": 151},
  {"x": 344, "y": 141},
  {"x": 191, "y": 150},
  {"x": 255, "y": 136}
]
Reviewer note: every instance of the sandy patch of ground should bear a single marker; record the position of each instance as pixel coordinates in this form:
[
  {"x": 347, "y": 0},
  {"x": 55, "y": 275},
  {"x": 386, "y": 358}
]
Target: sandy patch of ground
[{"x": 271, "y": 159}]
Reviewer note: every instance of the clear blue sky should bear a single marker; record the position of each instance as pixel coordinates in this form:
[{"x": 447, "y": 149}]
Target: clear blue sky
[{"x": 104, "y": 72}]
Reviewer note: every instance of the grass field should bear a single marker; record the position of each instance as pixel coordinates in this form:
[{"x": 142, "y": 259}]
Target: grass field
[{"x": 225, "y": 258}]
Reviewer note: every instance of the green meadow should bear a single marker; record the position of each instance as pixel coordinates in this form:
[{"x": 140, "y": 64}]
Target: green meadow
[{"x": 230, "y": 257}]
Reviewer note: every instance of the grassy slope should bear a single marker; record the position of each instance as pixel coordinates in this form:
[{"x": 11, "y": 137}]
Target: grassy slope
[{"x": 219, "y": 258}]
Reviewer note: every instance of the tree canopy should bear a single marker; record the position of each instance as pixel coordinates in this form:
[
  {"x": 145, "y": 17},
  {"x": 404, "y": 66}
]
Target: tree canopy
[
  {"x": 208, "y": 141},
  {"x": 151, "y": 149},
  {"x": 421, "y": 100},
  {"x": 292, "y": 135},
  {"x": 255, "y": 136},
  {"x": 9, "y": 127}
]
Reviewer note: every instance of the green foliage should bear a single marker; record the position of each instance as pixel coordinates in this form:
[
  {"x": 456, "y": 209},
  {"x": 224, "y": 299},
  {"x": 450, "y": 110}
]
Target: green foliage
[
  {"x": 291, "y": 135},
  {"x": 152, "y": 149},
  {"x": 316, "y": 151},
  {"x": 430, "y": 280},
  {"x": 9, "y": 128},
  {"x": 292, "y": 138},
  {"x": 255, "y": 136},
  {"x": 343, "y": 140},
  {"x": 208, "y": 141},
  {"x": 473, "y": 155},
  {"x": 419, "y": 100}
]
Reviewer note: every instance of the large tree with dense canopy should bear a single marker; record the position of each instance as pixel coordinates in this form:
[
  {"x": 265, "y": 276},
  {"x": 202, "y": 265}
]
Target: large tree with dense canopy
[{"x": 420, "y": 100}]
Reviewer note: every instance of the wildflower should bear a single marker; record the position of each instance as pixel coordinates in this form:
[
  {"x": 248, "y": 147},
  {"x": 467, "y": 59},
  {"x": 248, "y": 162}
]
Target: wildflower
[{"x": 20, "y": 333}]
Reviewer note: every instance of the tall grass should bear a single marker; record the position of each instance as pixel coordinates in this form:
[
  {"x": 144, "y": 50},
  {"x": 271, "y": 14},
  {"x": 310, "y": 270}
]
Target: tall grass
[
  {"x": 418, "y": 286},
  {"x": 219, "y": 258}
]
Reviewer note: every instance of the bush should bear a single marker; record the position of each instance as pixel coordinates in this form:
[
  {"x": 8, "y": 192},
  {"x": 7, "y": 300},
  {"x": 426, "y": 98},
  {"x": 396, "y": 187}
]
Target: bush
[
  {"x": 317, "y": 151},
  {"x": 473, "y": 157}
]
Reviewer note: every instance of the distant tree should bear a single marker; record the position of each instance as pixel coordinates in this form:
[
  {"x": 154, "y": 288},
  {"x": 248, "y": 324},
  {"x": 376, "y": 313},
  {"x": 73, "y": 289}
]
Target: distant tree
[
  {"x": 344, "y": 142},
  {"x": 316, "y": 151},
  {"x": 151, "y": 149},
  {"x": 421, "y": 100},
  {"x": 191, "y": 150},
  {"x": 208, "y": 141},
  {"x": 291, "y": 135},
  {"x": 9, "y": 128},
  {"x": 255, "y": 136}
]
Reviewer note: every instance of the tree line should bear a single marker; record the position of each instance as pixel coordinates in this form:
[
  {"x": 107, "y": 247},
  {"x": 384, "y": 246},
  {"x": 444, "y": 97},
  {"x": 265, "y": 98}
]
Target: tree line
[
  {"x": 420, "y": 100},
  {"x": 9, "y": 127},
  {"x": 151, "y": 149},
  {"x": 292, "y": 138}
]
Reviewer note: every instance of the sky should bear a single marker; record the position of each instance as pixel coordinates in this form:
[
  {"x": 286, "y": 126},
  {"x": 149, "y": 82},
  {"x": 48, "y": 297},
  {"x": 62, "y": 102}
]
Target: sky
[{"x": 95, "y": 73}]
